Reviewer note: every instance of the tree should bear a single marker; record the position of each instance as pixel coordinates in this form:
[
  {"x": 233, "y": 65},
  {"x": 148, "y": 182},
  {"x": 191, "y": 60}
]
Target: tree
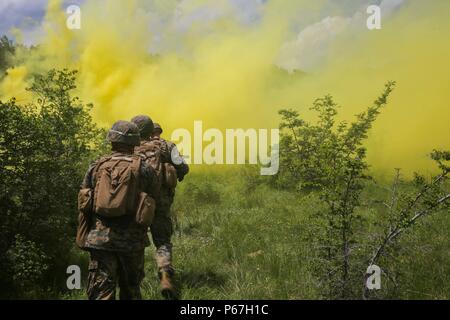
[
  {"x": 44, "y": 149},
  {"x": 330, "y": 158},
  {"x": 7, "y": 51}
]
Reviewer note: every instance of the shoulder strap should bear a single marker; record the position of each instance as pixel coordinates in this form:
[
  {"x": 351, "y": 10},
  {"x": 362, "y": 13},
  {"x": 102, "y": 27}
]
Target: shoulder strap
[
  {"x": 98, "y": 165},
  {"x": 136, "y": 163}
]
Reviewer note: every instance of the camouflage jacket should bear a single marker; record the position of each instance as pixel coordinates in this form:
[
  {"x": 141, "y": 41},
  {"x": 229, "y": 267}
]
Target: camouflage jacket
[
  {"x": 174, "y": 156},
  {"x": 119, "y": 233},
  {"x": 170, "y": 154}
]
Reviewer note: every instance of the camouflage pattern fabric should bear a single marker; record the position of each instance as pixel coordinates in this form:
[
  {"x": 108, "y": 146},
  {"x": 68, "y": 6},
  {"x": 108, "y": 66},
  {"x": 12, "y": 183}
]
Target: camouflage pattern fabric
[
  {"x": 162, "y": 230},
  {"x": 121, "y": 234},
  {"x": 169, "y": 148},
  {"x": 162, "y": 226},
  {"x": 117, "y": 234},
  {"x": 107, "y": 269}
]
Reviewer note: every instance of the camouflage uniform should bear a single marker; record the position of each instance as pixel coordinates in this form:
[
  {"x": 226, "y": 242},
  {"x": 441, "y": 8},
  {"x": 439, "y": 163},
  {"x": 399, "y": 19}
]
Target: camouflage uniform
[
  {"x": 162, "y": 228},
  {"x": 116, "y": 246}
]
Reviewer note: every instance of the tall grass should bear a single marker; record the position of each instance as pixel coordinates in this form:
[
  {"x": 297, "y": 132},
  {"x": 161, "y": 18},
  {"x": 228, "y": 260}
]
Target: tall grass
[{"x": 235, "y": 239}]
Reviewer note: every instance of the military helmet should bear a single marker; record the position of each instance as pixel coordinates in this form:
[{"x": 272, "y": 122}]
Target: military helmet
[
  {"x": 124, "y": 132},
  {"x": 157, "y": 127},
  {"x": 145, "y": 125}
]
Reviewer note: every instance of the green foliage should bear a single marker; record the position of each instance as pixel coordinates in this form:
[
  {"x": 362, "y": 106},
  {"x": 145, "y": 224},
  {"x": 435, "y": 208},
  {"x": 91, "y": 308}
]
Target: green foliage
[
  {"x": 266, "y": 249},
  {"x": 329, "y": 157},
  {"x": 228, "y": 250},
  {"x": 28, "y": 262},
  {"x": 309, "y": 232},
  {"x": 407, "y": 207},
  {"x": 324, "y": 154},
  {"x": 7, "y": 50},
  {"x": 44, "y": 150},
  {"x": 204, "y": 193}
]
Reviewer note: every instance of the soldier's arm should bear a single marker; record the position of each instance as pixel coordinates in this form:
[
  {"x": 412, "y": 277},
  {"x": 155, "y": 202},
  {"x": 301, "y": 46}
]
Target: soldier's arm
[
  {"x": 88, "y": 181},
  {"x": 177, "y": 161}
]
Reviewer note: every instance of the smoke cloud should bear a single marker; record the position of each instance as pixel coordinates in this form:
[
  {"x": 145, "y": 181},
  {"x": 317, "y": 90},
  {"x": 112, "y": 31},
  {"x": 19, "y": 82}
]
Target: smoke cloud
[{"x": 234, "y": 65}]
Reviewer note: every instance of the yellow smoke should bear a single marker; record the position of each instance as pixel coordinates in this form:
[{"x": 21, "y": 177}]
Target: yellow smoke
[{"x": 225, "y": 76}]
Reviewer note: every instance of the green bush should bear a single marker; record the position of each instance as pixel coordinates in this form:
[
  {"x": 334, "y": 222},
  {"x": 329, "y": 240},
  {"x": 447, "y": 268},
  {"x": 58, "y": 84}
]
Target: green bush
[{"x": 45, "y": 147}]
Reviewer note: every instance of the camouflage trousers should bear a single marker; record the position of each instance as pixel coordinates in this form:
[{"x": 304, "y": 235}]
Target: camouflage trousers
[
  {"x": 161, "y": 230},
  {"x": 107, "y": 269}
]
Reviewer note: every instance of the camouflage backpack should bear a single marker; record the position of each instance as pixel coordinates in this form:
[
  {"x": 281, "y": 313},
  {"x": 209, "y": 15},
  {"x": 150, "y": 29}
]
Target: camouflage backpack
[
  {"x": 150, "y": 152},
  {"x": 117, "y": 188}
]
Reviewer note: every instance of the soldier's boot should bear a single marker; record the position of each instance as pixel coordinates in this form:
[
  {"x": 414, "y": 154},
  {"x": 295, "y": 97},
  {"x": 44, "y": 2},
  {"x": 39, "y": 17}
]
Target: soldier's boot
[
  {"x": 164, "y": 262},
  {"x": 168, "y": 290}
]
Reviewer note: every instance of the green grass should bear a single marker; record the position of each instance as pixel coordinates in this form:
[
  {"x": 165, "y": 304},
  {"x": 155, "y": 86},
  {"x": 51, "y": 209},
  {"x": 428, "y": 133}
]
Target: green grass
[{"x": 238, "y": 241}]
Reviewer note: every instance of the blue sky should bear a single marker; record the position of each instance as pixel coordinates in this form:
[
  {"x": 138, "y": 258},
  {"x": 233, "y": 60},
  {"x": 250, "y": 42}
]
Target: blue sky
[
  {"x": 312, "y": 31},
  {"x": 27, "y": 15}
]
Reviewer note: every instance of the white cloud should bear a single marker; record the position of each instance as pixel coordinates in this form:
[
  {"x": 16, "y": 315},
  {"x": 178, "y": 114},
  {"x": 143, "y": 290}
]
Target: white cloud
[
  {"x": 310, "y": 46},
  {"x": 175, "y": 17}
]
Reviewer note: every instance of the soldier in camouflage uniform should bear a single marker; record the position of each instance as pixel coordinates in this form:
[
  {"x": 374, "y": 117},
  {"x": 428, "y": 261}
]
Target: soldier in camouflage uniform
[
  {"x": 161, "y": 228},
  {"x": 116, "y": 244}
]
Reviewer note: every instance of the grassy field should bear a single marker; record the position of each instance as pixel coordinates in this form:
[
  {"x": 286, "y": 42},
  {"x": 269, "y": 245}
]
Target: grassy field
[{"x": 235, "y": 240}]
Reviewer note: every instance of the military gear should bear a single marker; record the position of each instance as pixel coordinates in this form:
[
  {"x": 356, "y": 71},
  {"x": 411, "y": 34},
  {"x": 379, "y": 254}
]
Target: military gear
[
  {"x": 107, "y": 269},
  {"x": 176, "y": 159},
  {"x": 158, "y": 153},
  {"x": 121, "y": 233},
  {"x": 115, "y": 211},
  {"x": 85, "y": 200},
  {"x": 163, "y": 257},
  {"x": 162, "y": 227},
  {"x": 145, "y": 125},
  {"x": 154, "y": 152},
  {"x": 150, "y": 152},
  {"x": 124, "y": 132},
  {"x": 167, "y": 288},
  {"x": 117, "y": 189},
  {"x": 170, "y": 176},
  {"x": 145, "y": 210},
  {"x": 83, "y": 229},
  {"x": 157, "y": 128}
]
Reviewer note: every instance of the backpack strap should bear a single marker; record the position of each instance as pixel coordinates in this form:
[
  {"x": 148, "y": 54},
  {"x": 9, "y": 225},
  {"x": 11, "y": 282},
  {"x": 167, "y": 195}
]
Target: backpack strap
[
  {"x": 136, "y": 164},
  {"x": 97, "y": 167}
]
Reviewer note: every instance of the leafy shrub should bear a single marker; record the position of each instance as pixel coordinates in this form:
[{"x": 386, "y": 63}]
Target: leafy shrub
[
  {"x": 28, "y": 262},
  {"x": 329, "y": 158},
  {"x": 45, "y": 147}
]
